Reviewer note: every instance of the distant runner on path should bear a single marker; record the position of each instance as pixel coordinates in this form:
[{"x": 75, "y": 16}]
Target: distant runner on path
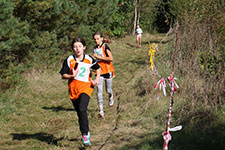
[{"x": 139, "y": 35}]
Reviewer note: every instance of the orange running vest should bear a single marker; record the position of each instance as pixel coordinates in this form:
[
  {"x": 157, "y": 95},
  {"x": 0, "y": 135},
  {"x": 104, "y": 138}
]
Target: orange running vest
[
  {"x": 106, "y": 66},
  {"x": 82, "y": 82}
]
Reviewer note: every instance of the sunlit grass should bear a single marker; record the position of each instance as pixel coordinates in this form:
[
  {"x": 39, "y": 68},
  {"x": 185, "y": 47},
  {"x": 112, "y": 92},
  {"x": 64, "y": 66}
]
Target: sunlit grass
[{"x": 38, "y": 114}]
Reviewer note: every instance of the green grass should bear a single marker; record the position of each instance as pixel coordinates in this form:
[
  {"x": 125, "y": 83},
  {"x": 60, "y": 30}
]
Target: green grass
[{"x": 38, "y": 115}]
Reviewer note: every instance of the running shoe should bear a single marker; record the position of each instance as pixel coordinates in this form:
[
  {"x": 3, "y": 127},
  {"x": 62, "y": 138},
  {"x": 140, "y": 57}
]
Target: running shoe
[
  {"x": 101, "y": 114},
  {"x": 86, "y": 139},
  {"x": 111, "y": 101}
]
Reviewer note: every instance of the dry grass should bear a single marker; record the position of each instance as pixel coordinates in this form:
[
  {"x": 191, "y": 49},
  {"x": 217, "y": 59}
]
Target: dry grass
[{"x": 38, "y": 114}]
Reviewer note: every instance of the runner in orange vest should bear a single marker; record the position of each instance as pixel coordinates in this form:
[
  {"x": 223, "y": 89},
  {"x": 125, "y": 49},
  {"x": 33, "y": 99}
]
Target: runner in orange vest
[
  {"x": 104, "y": 57},
  {"x": 76, "y": 68}
]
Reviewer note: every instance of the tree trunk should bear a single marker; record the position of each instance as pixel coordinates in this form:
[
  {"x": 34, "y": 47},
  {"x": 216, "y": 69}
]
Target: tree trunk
[
  {"x": 138, "y": 12},
  {"x": 135, "y": 16}
]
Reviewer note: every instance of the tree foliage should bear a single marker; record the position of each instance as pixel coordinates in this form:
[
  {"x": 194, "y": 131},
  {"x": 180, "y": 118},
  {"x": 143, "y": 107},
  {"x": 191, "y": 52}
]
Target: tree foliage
[
  {"x": 33, "y": 31},
  {"x": 13, "y": 35},
  {"x": 149, "y": 10}
]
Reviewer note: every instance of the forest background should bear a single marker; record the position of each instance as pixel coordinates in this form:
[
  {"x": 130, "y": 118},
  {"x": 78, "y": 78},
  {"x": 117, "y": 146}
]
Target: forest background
[{"x": 36, "y": 34}]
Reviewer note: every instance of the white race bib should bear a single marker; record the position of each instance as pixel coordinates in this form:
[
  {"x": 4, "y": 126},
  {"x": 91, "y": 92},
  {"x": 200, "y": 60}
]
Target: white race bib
[
  {"x": 83, "y": 72},
  {"x": 99, "y": 52}
]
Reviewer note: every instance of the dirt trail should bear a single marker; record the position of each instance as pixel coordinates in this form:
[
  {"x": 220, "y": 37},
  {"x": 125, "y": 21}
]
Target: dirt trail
[{"x": 114, "y": 132}]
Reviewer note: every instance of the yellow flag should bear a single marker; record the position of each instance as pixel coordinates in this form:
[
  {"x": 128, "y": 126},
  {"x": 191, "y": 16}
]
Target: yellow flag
[{"x": 152, "y": 49}]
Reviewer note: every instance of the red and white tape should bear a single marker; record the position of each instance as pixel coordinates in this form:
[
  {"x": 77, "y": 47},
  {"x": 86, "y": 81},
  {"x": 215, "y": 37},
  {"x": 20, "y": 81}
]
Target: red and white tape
[
  {"x": 166, "y": 135},
  {"x": 170, "y": 79},
  {"x": 162, "y": 85}
]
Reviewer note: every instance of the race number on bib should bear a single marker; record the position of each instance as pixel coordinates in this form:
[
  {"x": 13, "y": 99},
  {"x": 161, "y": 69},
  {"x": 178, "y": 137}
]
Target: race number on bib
[
  {"x": 83, "y": 72},
  {"x": 99, "y": 52}
]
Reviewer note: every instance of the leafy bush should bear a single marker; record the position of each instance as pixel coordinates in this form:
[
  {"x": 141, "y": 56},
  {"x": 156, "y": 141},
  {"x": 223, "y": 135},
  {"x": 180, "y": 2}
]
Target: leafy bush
[{"x": 201, "y": 50}]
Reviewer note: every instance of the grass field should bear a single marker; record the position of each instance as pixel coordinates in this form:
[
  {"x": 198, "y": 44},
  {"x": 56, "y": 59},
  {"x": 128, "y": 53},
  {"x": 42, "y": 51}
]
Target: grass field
[{"x": 38, "y": 115}]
